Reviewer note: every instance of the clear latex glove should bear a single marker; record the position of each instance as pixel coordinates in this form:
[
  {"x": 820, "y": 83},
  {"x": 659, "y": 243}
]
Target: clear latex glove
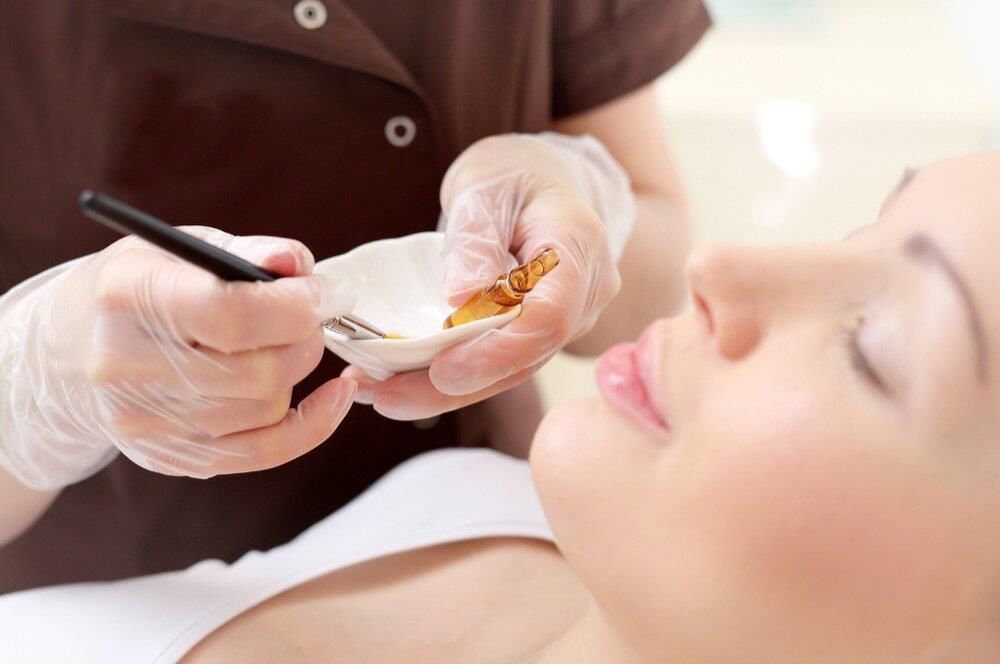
[
  {"x": 505, "y": 200},
  {"x": 134, "y": 350}
]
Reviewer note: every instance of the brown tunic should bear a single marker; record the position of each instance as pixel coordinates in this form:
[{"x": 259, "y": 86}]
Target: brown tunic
[{"x": 243, "y": 115}]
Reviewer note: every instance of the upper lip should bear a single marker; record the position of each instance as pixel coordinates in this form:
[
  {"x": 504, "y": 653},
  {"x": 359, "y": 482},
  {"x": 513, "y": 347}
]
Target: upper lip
[{"x": 647, "y": 362}]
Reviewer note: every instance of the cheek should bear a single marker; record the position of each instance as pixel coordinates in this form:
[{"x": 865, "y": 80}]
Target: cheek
[
  {"x": 818, "y": 515},
  {"x": 772, "y": 514}
]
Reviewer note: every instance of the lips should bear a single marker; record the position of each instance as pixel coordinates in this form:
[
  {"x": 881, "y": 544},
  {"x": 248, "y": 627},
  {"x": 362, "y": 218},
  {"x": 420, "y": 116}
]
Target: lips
[{"x": 624, "y": 376}]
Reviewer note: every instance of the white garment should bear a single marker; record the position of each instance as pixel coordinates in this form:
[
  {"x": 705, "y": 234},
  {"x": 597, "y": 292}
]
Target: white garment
[{"x": 438, "y": 497}]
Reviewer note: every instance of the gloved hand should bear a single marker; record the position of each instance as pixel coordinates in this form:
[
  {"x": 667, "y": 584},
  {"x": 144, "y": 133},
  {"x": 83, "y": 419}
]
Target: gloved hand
[
  {"x": 134, "y": 350},
  {"x": 504, "y": 200}
]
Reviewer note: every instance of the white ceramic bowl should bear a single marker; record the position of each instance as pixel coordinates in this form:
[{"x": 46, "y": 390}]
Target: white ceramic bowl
[{"x": 398, "y": 284}]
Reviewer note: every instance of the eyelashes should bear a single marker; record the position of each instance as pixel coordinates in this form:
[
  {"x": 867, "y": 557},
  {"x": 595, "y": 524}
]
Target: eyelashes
[{"x": 859, "y": 362}]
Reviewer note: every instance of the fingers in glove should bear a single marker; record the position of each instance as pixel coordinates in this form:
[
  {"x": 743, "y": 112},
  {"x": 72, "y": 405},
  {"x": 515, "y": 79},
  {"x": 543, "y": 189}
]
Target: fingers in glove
[
  {"x": 237, "y": 316},
  {"x": 132, "y": 415},
  {"x": 412, "y": 396},
  {"x": 547, "y": 320},
  {"x": 480, "y": 226},
  {"x": 178, "y": 301},
  {"x": 299, "y": 431},
  {"x": 255, "y": 374},
  {"x": 285, "y": 256},
  {"x": 124, "y": 355},
  {"x": 366, "y": 384},
  {"x": 185, "y": 303}
]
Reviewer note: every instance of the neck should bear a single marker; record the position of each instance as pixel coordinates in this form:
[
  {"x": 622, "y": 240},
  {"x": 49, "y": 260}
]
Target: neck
[{"x": 589, "y": 640}]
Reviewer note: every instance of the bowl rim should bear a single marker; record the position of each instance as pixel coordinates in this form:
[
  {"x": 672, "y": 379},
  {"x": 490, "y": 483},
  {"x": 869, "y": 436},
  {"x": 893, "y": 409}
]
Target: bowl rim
[
  {"x": 415, "y": 342},
  {"x": 444, "y": 334},
  {"x": 412, "y": 237}
]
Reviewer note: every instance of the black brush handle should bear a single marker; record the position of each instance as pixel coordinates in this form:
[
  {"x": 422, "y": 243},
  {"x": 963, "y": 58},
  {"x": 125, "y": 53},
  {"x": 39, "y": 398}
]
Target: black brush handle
[{"x": 129, "y": 221}]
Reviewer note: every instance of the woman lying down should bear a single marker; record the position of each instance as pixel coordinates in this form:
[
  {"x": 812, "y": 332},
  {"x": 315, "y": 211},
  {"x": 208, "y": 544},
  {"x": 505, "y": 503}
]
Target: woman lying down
[{"x": 805, "y": 468}]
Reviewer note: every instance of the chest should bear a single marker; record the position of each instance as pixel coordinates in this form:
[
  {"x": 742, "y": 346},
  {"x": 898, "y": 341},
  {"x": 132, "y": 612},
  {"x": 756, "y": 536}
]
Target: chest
[{"x": 468, "y": 602}]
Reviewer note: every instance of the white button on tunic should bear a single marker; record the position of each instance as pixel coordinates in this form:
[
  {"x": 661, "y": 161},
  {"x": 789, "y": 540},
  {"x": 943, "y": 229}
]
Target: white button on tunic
[
  {"x": 400, "y": 131},
  {"x": 310, "y": 14}
]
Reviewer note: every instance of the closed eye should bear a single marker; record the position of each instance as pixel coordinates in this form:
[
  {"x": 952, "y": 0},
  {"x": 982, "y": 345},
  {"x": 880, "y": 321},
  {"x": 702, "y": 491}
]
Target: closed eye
[{"x": 859, "y": 361}]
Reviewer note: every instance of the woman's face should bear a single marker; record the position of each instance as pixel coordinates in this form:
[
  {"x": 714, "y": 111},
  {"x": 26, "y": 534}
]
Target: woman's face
[{"x": 827, "y": 483}]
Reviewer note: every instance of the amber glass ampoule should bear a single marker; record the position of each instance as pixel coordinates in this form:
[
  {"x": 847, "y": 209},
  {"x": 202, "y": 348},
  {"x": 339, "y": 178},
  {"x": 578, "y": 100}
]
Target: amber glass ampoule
[{"x": 506, "y": 292}]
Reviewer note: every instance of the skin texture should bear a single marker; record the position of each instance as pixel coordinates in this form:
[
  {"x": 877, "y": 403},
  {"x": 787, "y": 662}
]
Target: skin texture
[
  {"x": 454, "y": 603},
  {"x": 794, "y": 512},
  {"x": 794, "y": 507}
]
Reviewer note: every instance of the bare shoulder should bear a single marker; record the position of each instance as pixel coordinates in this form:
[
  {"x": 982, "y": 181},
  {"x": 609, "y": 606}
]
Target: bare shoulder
[{"x": 453, "y": 602}]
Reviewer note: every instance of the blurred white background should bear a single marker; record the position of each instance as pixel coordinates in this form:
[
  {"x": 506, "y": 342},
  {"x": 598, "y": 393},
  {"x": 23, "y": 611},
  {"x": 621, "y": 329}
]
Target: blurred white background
[{"x": 793, "y": 118}]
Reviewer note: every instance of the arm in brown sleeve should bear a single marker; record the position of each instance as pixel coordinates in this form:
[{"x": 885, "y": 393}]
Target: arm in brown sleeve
[{"x": 603, "y": 49}]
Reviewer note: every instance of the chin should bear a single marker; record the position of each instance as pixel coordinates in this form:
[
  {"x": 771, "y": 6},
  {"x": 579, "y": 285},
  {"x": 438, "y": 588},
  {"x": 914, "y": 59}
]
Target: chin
[
  {"x": 589, "y": 465},
  {"x": 566, "y": 456},
  {"x": 571, "y": 437},
  {"x": 559, "y": 444}
]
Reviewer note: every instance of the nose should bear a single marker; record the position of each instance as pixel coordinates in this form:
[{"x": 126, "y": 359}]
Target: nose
[{"x": 730, "y": 288}]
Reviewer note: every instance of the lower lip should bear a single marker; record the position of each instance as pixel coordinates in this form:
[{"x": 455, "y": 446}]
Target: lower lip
[{"x": 619, "y": 381}]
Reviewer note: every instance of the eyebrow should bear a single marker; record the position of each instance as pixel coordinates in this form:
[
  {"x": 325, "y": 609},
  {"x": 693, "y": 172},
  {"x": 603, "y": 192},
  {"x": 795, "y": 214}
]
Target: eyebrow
[
  {"x": 908, "y": 174},
  {"x": 925, "y": 251}
]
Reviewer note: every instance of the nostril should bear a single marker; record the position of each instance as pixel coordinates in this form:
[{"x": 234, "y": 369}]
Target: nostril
[{"x": 702, "y": 306}]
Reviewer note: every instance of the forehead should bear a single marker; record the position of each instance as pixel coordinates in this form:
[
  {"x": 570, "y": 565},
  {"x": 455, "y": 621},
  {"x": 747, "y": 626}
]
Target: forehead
[{"x": 957, "y": 199}]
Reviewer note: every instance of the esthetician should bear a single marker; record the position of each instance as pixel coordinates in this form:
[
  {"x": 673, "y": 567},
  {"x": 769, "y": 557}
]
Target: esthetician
[{"x": 127, "y": 377}]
